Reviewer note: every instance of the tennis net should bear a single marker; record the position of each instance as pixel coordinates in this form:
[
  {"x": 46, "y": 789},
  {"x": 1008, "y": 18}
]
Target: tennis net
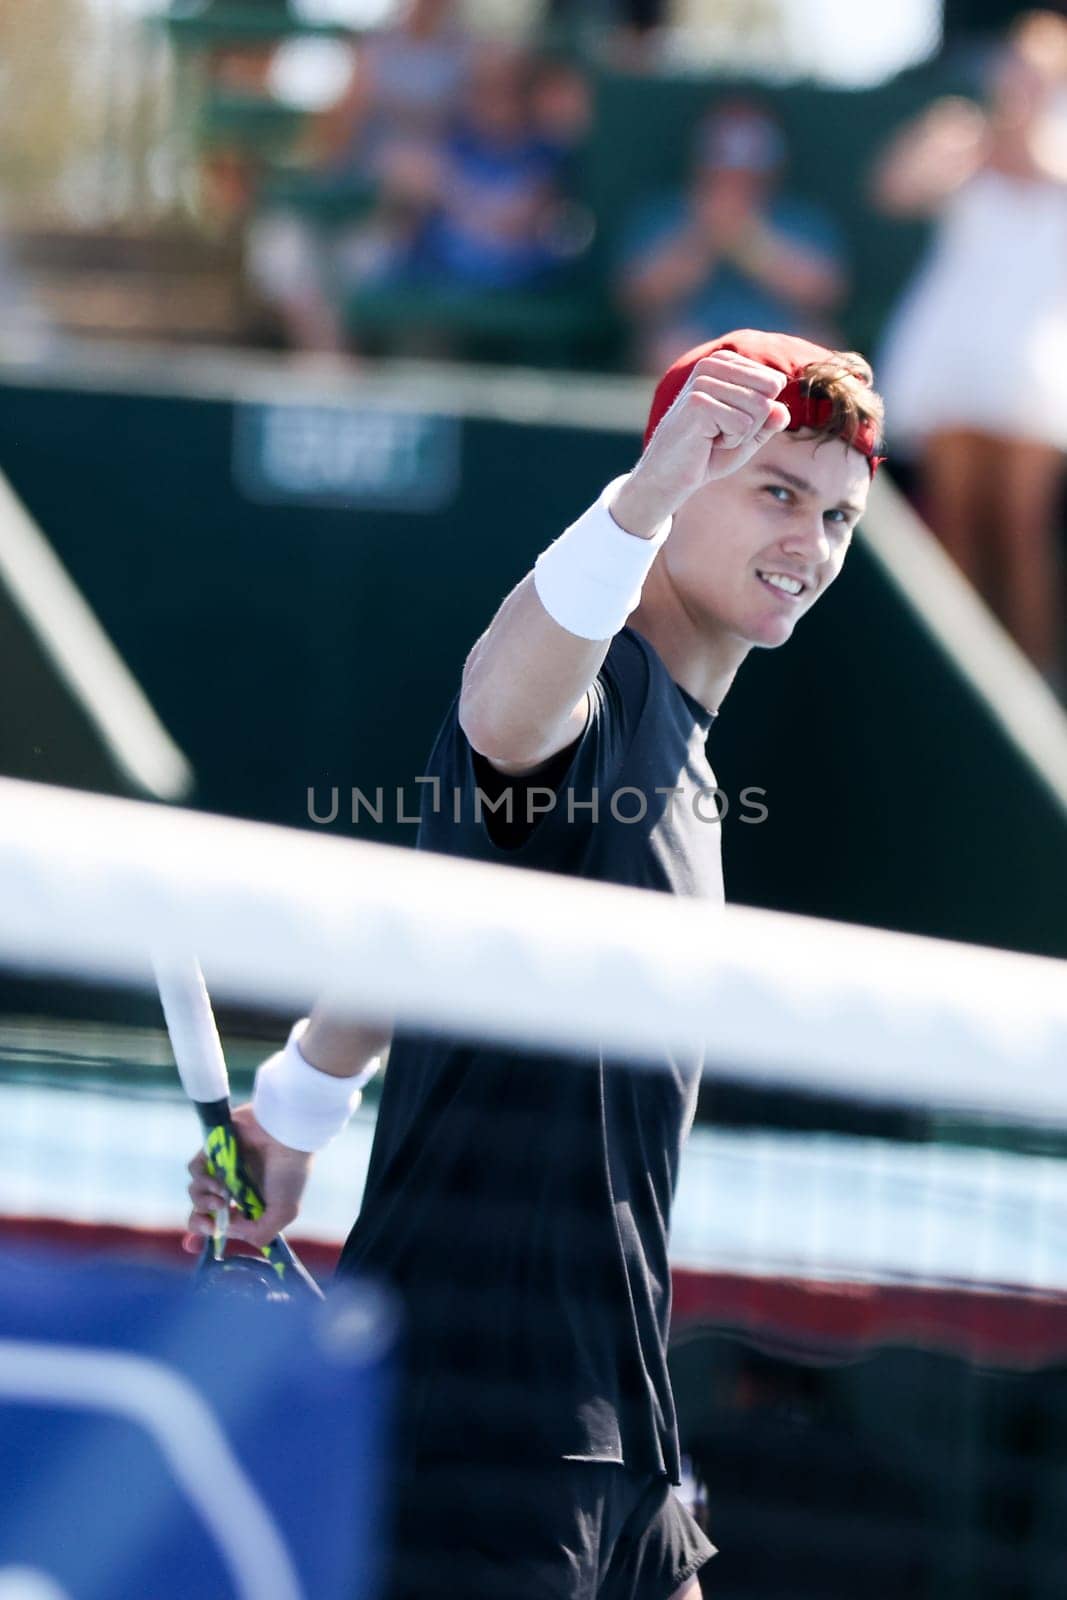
[{"x": 96, "y": 1130}]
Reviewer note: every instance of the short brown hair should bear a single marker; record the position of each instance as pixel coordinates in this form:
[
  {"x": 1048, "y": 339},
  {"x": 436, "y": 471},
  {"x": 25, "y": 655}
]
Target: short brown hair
[{"x": 845, "y": 380}]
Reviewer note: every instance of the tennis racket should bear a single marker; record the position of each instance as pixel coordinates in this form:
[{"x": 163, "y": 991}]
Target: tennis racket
[{"x": 194, "y": 1039}]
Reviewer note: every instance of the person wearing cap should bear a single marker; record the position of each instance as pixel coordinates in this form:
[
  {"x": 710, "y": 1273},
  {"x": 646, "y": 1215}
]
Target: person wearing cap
[
  {"x": 733, "y": 250},
  {"x": 519, "y": 1202}
]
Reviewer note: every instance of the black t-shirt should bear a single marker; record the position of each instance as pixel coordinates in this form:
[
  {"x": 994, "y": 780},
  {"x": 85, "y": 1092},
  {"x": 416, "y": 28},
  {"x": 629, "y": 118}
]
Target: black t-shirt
[{"x": 517, "y": 1200}]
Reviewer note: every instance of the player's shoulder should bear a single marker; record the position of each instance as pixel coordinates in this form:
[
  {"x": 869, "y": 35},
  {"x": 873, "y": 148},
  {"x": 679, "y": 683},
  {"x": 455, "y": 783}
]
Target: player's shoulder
[
  {"x": 656, "y": 693},
  {"x": 627, "y": 674},
  {"x": 630, "y": 648}
]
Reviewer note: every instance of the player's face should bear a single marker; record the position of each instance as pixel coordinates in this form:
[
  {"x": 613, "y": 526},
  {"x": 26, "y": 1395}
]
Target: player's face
[{"x": 741, "y": 546}]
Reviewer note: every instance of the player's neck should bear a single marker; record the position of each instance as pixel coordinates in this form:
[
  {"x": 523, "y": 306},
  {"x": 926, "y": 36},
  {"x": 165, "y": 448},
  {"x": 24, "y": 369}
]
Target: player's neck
[{"x": 702, "y": 658}]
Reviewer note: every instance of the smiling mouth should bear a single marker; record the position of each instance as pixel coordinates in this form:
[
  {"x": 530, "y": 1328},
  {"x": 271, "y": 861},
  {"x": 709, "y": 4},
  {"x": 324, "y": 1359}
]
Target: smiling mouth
[{"x": 781, "y": 584}]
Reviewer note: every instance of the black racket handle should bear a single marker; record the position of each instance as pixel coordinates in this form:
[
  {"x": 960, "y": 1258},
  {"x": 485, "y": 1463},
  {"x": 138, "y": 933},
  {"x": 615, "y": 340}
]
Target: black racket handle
[{"x": 224, "y": 1159}]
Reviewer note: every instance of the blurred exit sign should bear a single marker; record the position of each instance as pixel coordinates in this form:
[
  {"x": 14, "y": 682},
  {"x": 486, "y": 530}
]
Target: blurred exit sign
[{"x": 346, "y": 457}]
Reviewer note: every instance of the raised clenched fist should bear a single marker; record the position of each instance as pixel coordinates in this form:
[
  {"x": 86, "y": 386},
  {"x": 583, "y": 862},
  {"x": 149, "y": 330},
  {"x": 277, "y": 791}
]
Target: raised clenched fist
[{"x": 727, "y": 410}]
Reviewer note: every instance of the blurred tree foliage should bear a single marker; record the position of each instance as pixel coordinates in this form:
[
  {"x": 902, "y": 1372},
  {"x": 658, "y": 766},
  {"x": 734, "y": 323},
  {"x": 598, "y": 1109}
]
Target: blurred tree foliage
[
  {"x": 47, "y": 117},
  {"x": 85, "y": 112}
]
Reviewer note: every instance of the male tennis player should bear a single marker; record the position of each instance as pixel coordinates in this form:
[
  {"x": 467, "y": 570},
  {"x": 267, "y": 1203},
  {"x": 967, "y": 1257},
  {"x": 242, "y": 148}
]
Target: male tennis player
[{"x": 520, "y": 1202}]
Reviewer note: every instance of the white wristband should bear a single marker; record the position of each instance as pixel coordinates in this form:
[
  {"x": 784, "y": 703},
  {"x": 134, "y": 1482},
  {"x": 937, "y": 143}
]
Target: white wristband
[
  {"x": 297, "y": 1104},
  {"x": 590, "y": 579}
]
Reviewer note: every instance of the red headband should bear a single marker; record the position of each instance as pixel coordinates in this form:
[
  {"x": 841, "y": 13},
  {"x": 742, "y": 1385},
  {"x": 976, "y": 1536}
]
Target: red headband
[{"x": 786, "y": 353}]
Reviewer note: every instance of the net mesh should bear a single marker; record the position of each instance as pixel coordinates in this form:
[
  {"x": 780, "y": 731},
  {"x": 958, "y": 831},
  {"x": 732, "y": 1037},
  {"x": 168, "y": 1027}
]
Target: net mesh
[
  {"x": 869, "y": 1239},
  {"x": 96, "y": 1129}
]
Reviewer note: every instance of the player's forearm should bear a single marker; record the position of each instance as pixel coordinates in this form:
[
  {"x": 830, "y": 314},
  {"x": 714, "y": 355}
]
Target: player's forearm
[
  {"x": 525, "y": 681},
  {"x": 341, "y": 1048}
]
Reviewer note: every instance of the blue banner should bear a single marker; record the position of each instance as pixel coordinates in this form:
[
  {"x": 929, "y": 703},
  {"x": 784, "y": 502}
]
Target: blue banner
[{"x": 160, "y": 1444}]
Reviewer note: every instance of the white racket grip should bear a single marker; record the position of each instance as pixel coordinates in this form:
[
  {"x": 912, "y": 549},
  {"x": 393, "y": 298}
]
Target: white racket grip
[{"x": 194, "y": 1037}]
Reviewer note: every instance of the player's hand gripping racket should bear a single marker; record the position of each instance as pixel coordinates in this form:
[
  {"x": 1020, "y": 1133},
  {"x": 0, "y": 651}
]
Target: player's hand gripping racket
[{"x": 197, "y": 1048}]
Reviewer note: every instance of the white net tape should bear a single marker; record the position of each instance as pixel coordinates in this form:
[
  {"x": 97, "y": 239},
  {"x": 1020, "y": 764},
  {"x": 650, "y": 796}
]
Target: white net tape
[{"x": 89, "y": 886}]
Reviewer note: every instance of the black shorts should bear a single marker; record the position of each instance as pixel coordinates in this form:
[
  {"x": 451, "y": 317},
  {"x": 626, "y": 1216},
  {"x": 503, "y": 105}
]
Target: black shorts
[{"x": 565, "y": 1530}]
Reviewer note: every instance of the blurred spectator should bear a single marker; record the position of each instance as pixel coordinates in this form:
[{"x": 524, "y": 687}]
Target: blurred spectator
[
  {"x": 478, "y": 204},
  {"x": 379, "y": 150},
  {"x": 402, "y": 94},
  {"x": 235, "y": 70},
  {"x": 732, "y": 251},
  {"x": 561, "y": 103},
  {"x": 500, "y": 181},
  {"x": 975, "y": 356}
]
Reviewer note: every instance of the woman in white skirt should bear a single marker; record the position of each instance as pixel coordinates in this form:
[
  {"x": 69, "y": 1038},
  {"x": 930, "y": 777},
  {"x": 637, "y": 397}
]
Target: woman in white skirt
[{"x": 974, "y": 368}]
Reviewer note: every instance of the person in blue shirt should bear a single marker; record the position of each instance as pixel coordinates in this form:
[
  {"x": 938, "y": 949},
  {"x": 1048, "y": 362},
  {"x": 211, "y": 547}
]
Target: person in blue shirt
[
  {"x": 731, "y": 250},
  {"x": 500, "y": 182}
]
